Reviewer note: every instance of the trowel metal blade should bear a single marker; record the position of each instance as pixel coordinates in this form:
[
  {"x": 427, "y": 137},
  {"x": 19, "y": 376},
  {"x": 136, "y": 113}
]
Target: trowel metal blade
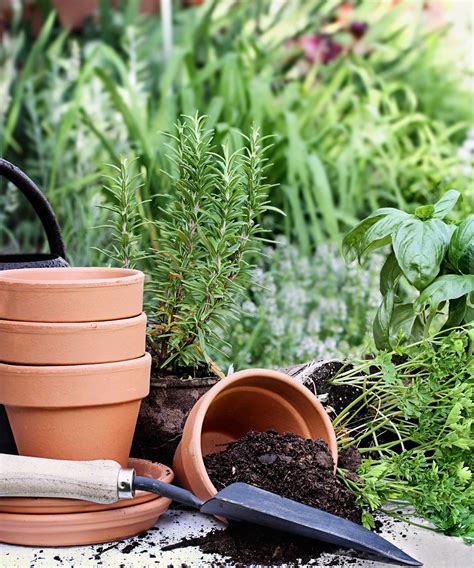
[{"x": 242, "y": 502}]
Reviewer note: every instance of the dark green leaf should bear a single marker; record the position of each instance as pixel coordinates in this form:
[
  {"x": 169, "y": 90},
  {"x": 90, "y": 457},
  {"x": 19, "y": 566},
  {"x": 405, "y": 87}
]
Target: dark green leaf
[
  {"x": 382, "y": 319},
  {"x": 390, "y": 274},
  {"x": 402, "y": 324},
  {"x": 446, "y": 204},
  {"x": 444, "y": 288},
  {"x": 457, "y": 311},
  {"x": 461, "y": 247},
  {"x": 420, "y": 247},
  {"x": 380, "y": 234},
  {"x": 323, "y": 195}
]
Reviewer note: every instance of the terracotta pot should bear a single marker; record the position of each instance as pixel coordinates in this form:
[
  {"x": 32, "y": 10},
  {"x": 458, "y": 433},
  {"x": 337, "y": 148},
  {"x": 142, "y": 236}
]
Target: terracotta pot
[
  {"x": 34, "y": 343},
  {"x": 49, "y": 505},
  {"x": 251, "y": 400},
  {"x": 163, "y": 414},
  {"x": 129, "y": 518},
  {"x": 78, "y": 412},
  {"x": 62, "y": 295},
  {"x": 72, "y": 14}
]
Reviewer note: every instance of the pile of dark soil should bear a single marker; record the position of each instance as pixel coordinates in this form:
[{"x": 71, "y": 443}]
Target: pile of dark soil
[
  {"x": 290, "y": 466},
  {"x": 287, "y": 465}
]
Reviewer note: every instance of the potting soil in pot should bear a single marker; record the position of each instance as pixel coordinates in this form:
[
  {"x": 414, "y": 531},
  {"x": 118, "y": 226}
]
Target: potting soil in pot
[{"x": 290, "y": 466}]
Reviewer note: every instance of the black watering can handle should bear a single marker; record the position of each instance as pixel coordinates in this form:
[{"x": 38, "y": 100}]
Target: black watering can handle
[{"x": 40, "y": 204}]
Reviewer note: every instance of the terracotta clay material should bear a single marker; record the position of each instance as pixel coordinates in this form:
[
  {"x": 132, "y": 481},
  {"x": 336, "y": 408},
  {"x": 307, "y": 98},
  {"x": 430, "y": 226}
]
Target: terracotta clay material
[
  {"x": 62, "y": 295},
  {"x": 163, "y": 414},
  {"x": 255, "y": 399},
  {"x": 44, "y": 505},
  {"x": 78, "y": 412},
  {"x": 72, "y": 529},
  {"x": 34, "y": 343}
]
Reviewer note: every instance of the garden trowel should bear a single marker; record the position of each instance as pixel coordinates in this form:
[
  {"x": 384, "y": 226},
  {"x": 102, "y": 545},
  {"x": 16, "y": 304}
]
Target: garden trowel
[{"x": 105, "y": 481}]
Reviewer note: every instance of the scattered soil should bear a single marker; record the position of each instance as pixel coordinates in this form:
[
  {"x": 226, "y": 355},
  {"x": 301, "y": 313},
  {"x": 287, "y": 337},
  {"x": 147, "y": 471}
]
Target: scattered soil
[
  {"x": 349, "y": 459},
  {"x": 246, "y": 545},
  {"x": 290, "y": 466}
]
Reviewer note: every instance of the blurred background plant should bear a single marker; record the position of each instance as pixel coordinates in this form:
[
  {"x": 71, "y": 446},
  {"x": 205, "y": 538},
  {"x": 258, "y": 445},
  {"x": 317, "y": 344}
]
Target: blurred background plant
[
  {"x": 302, "y": 308},
  {"x": 369, "y": 106}
]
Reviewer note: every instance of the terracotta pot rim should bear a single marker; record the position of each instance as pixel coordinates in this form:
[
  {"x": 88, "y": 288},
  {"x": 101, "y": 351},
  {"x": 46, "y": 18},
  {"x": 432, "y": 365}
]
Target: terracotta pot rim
[
  {"x": 68, "y": 388},
  {"x": 70, "y": 327},
  {"x": 73, "y": 370},
  {"x": 96, "y": 517},
  {"x": 95, "y": 277},
  {"x": 79, "y": 529},
  {"x": 176, "y": 382},
  {"x": 223, "y": 384},
  {"x": 111, "y": 523}
]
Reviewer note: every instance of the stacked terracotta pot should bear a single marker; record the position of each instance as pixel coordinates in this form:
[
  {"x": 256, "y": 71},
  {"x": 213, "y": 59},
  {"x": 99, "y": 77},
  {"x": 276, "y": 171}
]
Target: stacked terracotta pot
[{"x": 73, "y": 367}]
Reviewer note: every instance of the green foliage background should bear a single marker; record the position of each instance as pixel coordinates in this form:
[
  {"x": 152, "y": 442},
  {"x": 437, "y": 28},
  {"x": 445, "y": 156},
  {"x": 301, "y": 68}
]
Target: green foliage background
[{"x": 380, "y": 125}]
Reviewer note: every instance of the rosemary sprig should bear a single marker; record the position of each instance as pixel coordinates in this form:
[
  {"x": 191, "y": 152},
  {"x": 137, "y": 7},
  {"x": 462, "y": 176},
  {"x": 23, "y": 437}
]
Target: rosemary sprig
[{"x": 126, "y": 219}]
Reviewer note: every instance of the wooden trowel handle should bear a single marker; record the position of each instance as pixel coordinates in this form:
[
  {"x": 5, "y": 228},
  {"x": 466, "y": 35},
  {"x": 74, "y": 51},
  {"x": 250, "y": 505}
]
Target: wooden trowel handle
[{"x": 97, "y": 481}]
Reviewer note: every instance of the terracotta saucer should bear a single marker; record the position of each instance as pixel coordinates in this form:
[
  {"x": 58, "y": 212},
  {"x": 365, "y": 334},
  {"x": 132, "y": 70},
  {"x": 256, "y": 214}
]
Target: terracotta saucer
[
  {"x": 47, "y": 506},
  {"x": 75, "y": 529}
]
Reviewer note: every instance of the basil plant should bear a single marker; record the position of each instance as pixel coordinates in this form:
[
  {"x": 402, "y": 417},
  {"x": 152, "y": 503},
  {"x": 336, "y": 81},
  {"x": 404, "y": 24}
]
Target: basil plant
[{"x": 427, "y": 281}]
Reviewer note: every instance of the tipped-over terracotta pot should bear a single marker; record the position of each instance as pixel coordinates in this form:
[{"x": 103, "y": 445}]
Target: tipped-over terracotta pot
[
  {"x": 77, "y": 412},
  {"x": 35, "y": 343},
  {"x": 56, "y": 295},
  {"x": 255, "y": 399}
]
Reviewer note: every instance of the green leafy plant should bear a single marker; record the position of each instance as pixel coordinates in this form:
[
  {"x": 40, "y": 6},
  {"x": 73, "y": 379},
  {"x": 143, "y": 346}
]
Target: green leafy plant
[
  {"x": 411, "y": 419},
  {"x": 428, "y": 277},
  {"x": 206, "y": 239}
]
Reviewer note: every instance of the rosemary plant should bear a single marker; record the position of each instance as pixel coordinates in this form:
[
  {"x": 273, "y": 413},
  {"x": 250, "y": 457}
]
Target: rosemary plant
[{"x": 206, "y": 239}]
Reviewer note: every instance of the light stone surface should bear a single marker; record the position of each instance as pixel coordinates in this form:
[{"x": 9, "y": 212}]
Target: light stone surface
[{"x": 434, "y": 550}]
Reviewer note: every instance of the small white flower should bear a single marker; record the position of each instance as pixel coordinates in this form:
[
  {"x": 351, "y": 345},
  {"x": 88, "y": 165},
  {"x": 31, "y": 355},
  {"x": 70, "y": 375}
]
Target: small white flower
[{"x": 464, "y": 154}]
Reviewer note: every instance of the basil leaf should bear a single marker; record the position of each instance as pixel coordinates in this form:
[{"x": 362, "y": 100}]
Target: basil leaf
[
  {"x": 402, "y": 324},
  {"x": 446, "y": 204},
  {"x": 457, "y": 312},
  {"x": 424, "y": 212},
  {"x": 381, "y": 326},
  {"x": 420, "y": 247},
  {"x": 354, "y": 240},
  {"x": 461, "y": 247},
  {"x": 390, "y": 273},
  {"x": 469, "y": 315},
  {"x": 380, "y": 234},
  {"x": 444, "y": 288}
]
